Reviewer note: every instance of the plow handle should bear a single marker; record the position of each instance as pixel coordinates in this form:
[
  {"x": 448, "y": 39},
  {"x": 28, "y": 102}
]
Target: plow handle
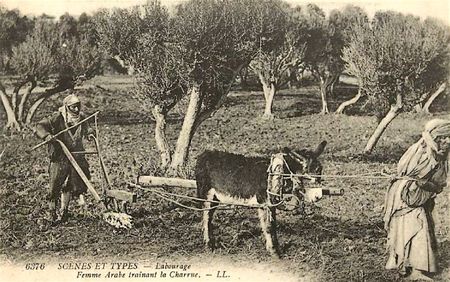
[
  {"x": 102, "y": 163},
  {"x": 79, "y": 171},
  {"x": 65, "y": 130}
]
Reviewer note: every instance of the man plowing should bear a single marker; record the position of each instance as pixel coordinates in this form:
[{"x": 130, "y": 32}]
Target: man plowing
[{"x": 64, "y": 180}]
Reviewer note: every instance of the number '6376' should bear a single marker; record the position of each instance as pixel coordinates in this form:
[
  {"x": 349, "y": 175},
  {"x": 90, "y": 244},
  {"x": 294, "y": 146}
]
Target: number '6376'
[{"x": 35, "y": 266}]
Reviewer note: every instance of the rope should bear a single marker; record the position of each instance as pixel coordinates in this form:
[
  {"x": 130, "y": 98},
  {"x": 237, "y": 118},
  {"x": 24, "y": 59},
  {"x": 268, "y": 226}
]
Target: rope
[
  {"x": 162, "y": 194},
  {"x": 184, "y": 206},
  {"x": 366, "y": 175}
]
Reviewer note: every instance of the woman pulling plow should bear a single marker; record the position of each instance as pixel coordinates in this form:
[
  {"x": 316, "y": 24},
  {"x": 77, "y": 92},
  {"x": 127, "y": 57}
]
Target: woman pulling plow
[{"x": 422, "y": 174}]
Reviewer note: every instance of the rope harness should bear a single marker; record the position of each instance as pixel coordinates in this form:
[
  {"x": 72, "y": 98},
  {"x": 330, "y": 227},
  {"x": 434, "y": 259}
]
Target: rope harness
[{"x": 276, "y": 187}]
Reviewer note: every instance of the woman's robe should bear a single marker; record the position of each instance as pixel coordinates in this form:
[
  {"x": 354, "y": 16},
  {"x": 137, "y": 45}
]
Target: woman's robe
[{"x": 408, "y": 207}]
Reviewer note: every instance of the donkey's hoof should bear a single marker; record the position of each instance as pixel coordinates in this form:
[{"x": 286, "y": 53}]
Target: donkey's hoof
[
  {"x": 209, "y": 247},
  {"x": 276, "y": 256}
]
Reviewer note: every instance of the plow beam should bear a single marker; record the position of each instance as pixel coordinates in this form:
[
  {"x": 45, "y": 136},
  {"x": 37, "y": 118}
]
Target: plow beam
[
  {"x": 165, "y": 181},
  {"x": 155, "y": 181}
]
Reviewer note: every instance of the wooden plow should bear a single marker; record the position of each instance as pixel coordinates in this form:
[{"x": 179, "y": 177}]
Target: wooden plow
[
  {"x": 114, "y": 202},
  {"x": 148, "y": 183}
]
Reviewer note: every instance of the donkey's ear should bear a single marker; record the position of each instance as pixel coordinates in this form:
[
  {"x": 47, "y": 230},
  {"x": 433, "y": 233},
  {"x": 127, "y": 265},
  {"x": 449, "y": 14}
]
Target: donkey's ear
[
  {"x": 285, "y": 150},
  {"x": 320, "y": 148}
]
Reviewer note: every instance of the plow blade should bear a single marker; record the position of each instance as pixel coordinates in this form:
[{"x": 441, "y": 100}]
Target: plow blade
[{"x": 122, "y": 195}]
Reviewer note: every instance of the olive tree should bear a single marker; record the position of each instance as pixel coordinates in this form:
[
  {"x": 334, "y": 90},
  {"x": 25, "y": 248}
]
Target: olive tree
[
  {"x": 149, "y": 48},
  {"x": 119, "y": 30},
  {"x": 390, "y": 58},
  {"x": 14, "y": 28},
  {"x": 323, "y": 52},
  {"x": 195, "y": 53},
  {"x": 274, "y": 65},
  {"x": 346, "y": 21},
  {"x": 44, "y": 54},
  {"x": 434, "y": 80}
]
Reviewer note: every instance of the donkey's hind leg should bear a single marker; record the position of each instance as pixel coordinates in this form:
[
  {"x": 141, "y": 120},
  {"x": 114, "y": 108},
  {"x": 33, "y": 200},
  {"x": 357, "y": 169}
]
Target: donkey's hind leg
[{"x": 208, "y": 213}]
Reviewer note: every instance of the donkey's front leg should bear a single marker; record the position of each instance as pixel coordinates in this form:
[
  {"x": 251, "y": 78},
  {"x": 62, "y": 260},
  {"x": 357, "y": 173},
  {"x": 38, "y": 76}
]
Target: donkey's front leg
[
  {"x": 268, "y": 226},
  {"x": 207, "y": 222}
]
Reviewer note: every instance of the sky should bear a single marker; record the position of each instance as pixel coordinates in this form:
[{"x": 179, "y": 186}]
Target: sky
[{"x": 424, "y": 8}]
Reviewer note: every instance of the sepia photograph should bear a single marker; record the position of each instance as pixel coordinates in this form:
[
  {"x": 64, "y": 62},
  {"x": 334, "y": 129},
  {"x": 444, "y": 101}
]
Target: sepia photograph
[{"x": 224, "y": 140}]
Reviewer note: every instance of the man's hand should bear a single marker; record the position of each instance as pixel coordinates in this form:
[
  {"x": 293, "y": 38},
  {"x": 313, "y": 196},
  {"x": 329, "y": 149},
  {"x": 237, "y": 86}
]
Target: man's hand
[
  {"x": 422, "y": 182},
  {"x": 49, "y": 138}
]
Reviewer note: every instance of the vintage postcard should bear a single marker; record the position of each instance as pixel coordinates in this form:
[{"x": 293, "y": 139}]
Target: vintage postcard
[{"x": 224, "y": 140}]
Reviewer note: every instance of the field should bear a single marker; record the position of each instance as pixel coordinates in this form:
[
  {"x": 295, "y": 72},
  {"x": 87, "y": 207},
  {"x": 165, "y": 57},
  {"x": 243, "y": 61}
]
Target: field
[{"x": 342, "y": 240}]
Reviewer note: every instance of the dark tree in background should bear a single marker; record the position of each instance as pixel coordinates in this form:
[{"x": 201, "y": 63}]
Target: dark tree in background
[
  {"x": 323, "y": 52},
  {"x": 275, "y": 65},
  {"x": 14, "y": 28},
  {"x": 51, "y": 52},
  {"x": 345, "y": 22}
]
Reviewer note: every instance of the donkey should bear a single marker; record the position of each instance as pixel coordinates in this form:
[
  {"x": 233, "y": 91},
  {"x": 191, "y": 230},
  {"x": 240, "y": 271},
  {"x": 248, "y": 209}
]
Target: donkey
[{"x": 236, "y": 179}]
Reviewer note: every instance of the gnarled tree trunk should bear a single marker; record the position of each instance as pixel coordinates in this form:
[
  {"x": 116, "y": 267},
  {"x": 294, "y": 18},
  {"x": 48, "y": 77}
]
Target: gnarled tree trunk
[
  {"x": 334, "y": 80},
  {"x": 393, "y": 113},
  {"x": 324, "y": 86},
  {"x": 160, "y": 136},
  {"x": 347, "y": 103},
  {"x": 11, "y": 122},
  {"x": 187, "y": 131},
  {"x": 426, "y": 106},
  {"x": 269, "y": 90},
  {"x": 24, "y": 99},
  {"x": 15, "y": 94}
]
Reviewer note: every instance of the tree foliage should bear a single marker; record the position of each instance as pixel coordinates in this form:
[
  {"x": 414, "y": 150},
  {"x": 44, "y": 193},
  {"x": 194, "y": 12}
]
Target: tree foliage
[
  {"x": 392, "y": 59},
  {"x": 50, "y": 50},
  {"x": 276, "y": 65},
  {"x": 398, "y": 54},
  {"x": 13, "y": 30},
  {"x": 35, "y": 57}
]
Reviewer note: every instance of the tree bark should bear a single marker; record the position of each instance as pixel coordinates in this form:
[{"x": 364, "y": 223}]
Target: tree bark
[
  {"x": 15, "y": 94},
  {"x": 269, "y": 90},
  {"x": 334, "y": 80},
  {"x": 426, "y": 106},
  {"x": 323, "y": 94},
  {"x": 160, "y": 136},
  {"x": 34, "y": 107},
  {"x": 393, "y": 113},
  {"x": 24, "y": 99},
  {"x": 11, "y": 122},
  {"x": 291, "y": 75},
  {"x": 347, "y": 103},
  {"x": 187, "y": 131}
]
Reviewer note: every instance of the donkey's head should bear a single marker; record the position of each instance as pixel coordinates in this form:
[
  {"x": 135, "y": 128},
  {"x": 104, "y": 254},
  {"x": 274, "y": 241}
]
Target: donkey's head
[
  {"x": 303, "y": 162},
  {"x": 306, "y": 162}
]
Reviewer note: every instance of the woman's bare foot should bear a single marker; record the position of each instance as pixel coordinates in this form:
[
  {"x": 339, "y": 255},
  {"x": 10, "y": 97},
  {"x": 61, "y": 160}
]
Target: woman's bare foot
[{"x": 417, "y": 275}]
